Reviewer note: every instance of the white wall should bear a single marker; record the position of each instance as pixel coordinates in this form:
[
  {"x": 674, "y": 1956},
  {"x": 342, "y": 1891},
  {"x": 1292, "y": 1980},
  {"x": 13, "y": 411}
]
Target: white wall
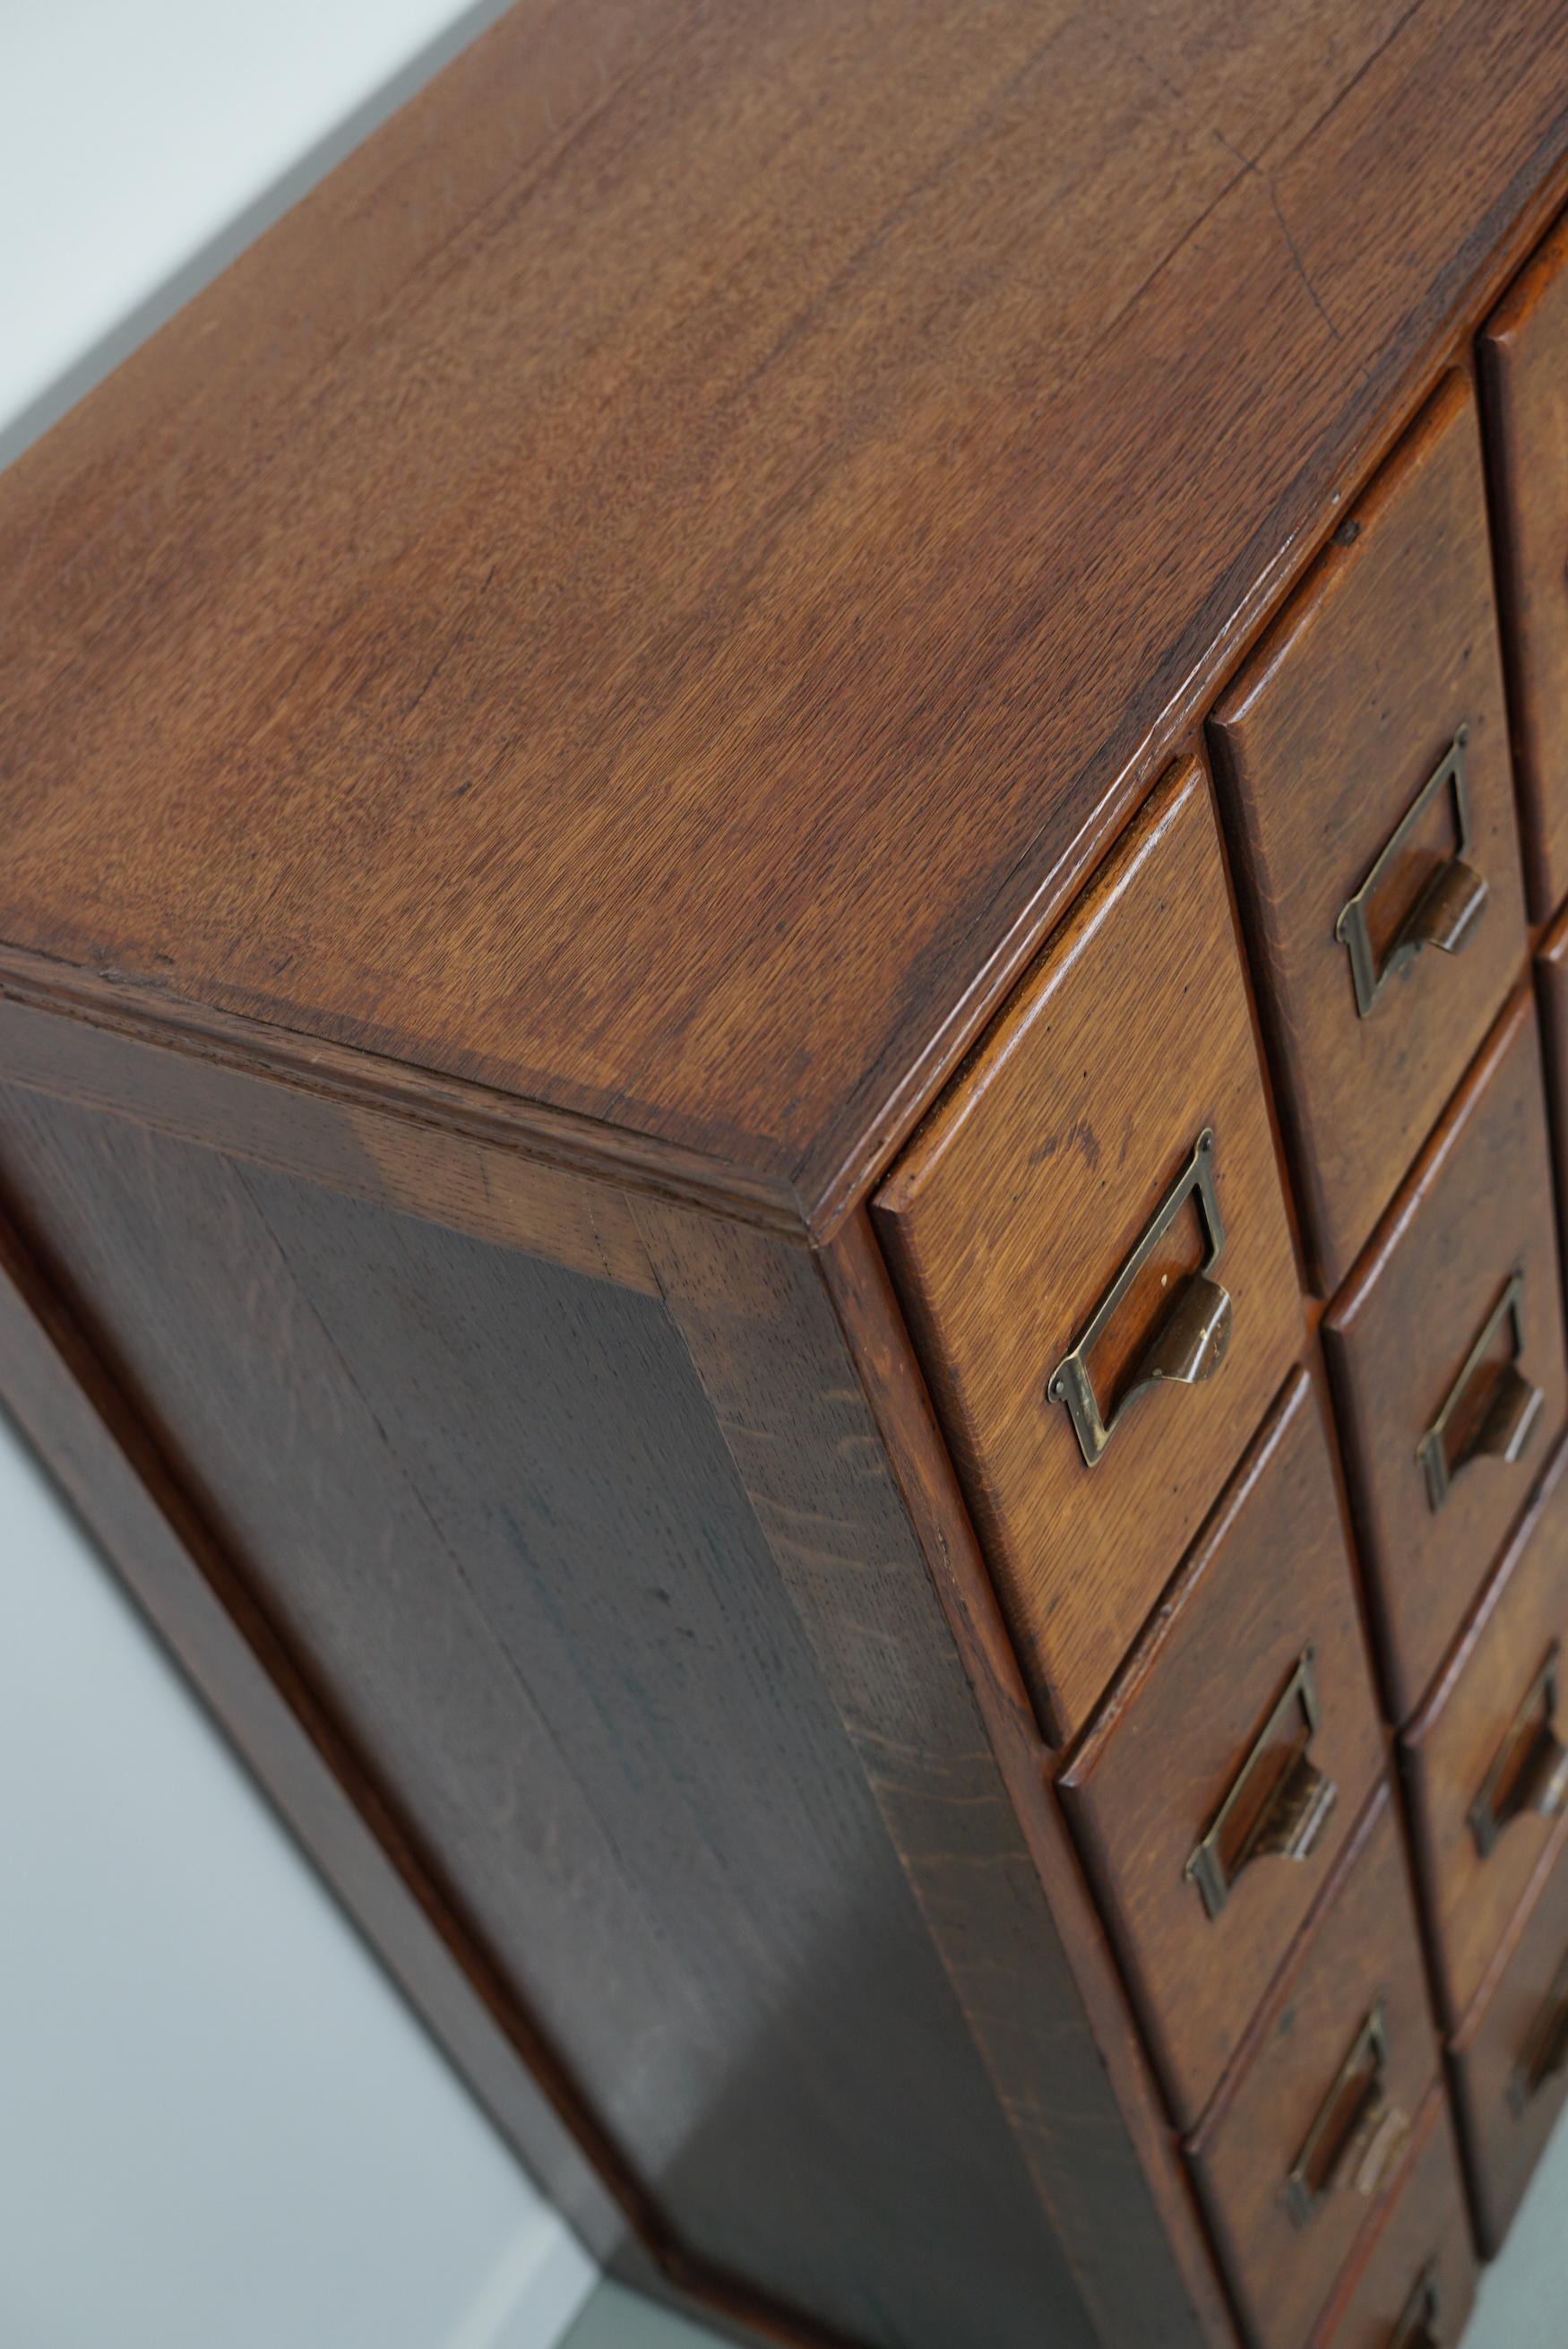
[
  {"x": 144, "y": 142},
  {"x": 220, "y": 2128}
]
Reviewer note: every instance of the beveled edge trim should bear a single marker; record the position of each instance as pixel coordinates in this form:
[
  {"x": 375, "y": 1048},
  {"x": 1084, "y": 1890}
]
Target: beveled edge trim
[
  {"x": 421, "y": 1117},
  {"x": 1181, "y": 785}
]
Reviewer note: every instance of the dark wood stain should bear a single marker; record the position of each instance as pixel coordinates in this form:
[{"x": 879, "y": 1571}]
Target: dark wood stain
[
  {"x": 1014, "y": 1209},
  {"x": 1268, "y": 1578},
  {"x": 127, "y": 1499},
  {"x": 1425, "y": 2227},
  {"x": 1477, "y": 1204},
  {"x": 1321, "y": 747},
  {"x": 485, "y": 1499},
  {"x": 540, "y": 719},
  {"x": 1361, "y": 1946},
  {"x": 981, "y": 1843},
  {"x": 1500, "y": 2039},
  {"x": 843, "y": 447},
  {"x": 1448, "y": 1749}
]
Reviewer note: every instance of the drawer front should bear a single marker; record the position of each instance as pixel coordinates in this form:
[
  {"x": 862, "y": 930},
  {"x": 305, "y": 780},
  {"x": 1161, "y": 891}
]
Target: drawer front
[
  {"x": 1364, "y": 756},
  {"x": 1446, "y": 1348},
  {"x": 1091, "y": 1235},
  {"x": 1411, "y": 2280},
  {"x": 1552, "y": 992},
  {"x": 1507, "y": 2061},
  {"x": 1309, "y": 2134},
  {"x": 1486, "y": 1759},
  {"x": 1523, "y": 353},
  {"x": 1233, "y": 1756}
]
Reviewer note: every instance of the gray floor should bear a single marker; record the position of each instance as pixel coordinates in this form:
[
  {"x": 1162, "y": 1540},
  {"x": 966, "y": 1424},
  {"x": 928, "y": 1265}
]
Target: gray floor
[
  {"x": 614, "y": 2319},
  {"x": 1523, "y": 2302}
]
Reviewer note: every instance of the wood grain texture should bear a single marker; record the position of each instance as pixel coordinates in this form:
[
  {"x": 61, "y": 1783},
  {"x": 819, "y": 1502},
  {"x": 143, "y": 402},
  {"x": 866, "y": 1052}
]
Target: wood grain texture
[
  {"x": 1269, "y": 1578},
  {"x": 1363, "y": 1946},
  {"x": 121, "y": 1489},
  {"x": 1454, "y": 1740},
  {"x": 857, "y": 1280},
  {"x": 485, "y": 1502},
  {"x": 1425, "y": 2228},
  {"x": 1497, "y": 2037},
  {"x": 359, "y": 1148},
  {"x": 1551, "y": 997},
  {"x": 228, "y": 1043},
  {"x": 646, "y": 588},
  {"x": 1479, "y": 1202},
  {"x": 1523, "y": 372},
  {"x": 1012, "y": 1213},
  {"x": 1321, "y": 746},
  {"x": 997, "y": 1889}
]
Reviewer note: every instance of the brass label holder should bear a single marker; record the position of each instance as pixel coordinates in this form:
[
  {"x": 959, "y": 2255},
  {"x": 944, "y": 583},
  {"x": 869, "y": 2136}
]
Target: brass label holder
[
  {"x": 1505, "y": 1429},
  {"x": 1445, "y": 913},
  {"x": 1289, "y": 1822},
  {"x": 1194, "y": 1335},
  {"x": 1528, "y": 1772},
  {"x": 1546, "y": 2051},
  {"x": 1366, "y": 2145}
]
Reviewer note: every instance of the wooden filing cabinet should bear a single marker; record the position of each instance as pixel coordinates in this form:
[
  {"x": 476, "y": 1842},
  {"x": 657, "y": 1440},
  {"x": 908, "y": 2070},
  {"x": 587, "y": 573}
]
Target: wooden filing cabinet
[{"x": 783, "y": 1106}]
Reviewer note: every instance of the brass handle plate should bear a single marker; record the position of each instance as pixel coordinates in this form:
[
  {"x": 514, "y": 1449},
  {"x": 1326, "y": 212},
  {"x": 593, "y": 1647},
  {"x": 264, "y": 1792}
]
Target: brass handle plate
[
  {"x": 1528, "y": 1772},
  {"x": 1286, "y": 1817},
  {"x": 1419, "y": 2319},
  {"x": 1194, "y": 1334},
  {"x": 1445, "y": 913},
  {"x": 1504, "y": 1428},
  {"x": 1546, "y": 2051},
  {"x": 1358, "y": 2134}
]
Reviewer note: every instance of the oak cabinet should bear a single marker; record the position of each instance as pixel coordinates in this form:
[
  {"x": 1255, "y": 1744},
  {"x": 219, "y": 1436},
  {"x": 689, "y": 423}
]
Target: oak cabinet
[{"x": 773, "y": 1150}]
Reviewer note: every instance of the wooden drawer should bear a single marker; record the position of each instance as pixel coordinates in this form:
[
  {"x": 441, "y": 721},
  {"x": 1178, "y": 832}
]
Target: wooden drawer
[
  {"x": 1507, "y": 2060},
  {"x": 1411, "y": 2281},
  {"x": 1552, "y": 992},
  {"x": 1362, "y": 819},
  {"x": 1308, "y": 2131},
  {"x": 1126, "y": 1071},
  {"x": 1241, "y": 1737},
  {"x": 1523, "y": 353},
  {"x": 1446, "y": 1346},
  {"x": 1484, "y": 1760}
]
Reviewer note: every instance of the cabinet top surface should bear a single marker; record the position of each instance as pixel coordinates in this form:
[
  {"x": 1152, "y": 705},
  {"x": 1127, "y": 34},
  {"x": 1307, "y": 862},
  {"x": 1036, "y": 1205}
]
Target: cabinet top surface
[{"x": 643, "y": 591}]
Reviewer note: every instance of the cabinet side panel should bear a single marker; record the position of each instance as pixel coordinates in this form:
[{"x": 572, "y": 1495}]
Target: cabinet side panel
[
  {"x": 815, "y": 1389},
  {"x": 485, "y": 1503},
  {"x": 54, "y": 1387}
]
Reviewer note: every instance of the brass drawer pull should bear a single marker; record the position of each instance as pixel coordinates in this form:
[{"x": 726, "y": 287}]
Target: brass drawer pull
[
  {"x": 1419, "y": 2319},
  {"x": 1358, "y": 2135},
  {"x": 1194, "y": 1333},
  {"x": 1450, "y": 903},
  {"x": 1497, "y": 1425},
  {"x": 1528, "y": 1772},
  {"x": 1546, "y": 2051},
  {"x": 1263, "y": 1816}
]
